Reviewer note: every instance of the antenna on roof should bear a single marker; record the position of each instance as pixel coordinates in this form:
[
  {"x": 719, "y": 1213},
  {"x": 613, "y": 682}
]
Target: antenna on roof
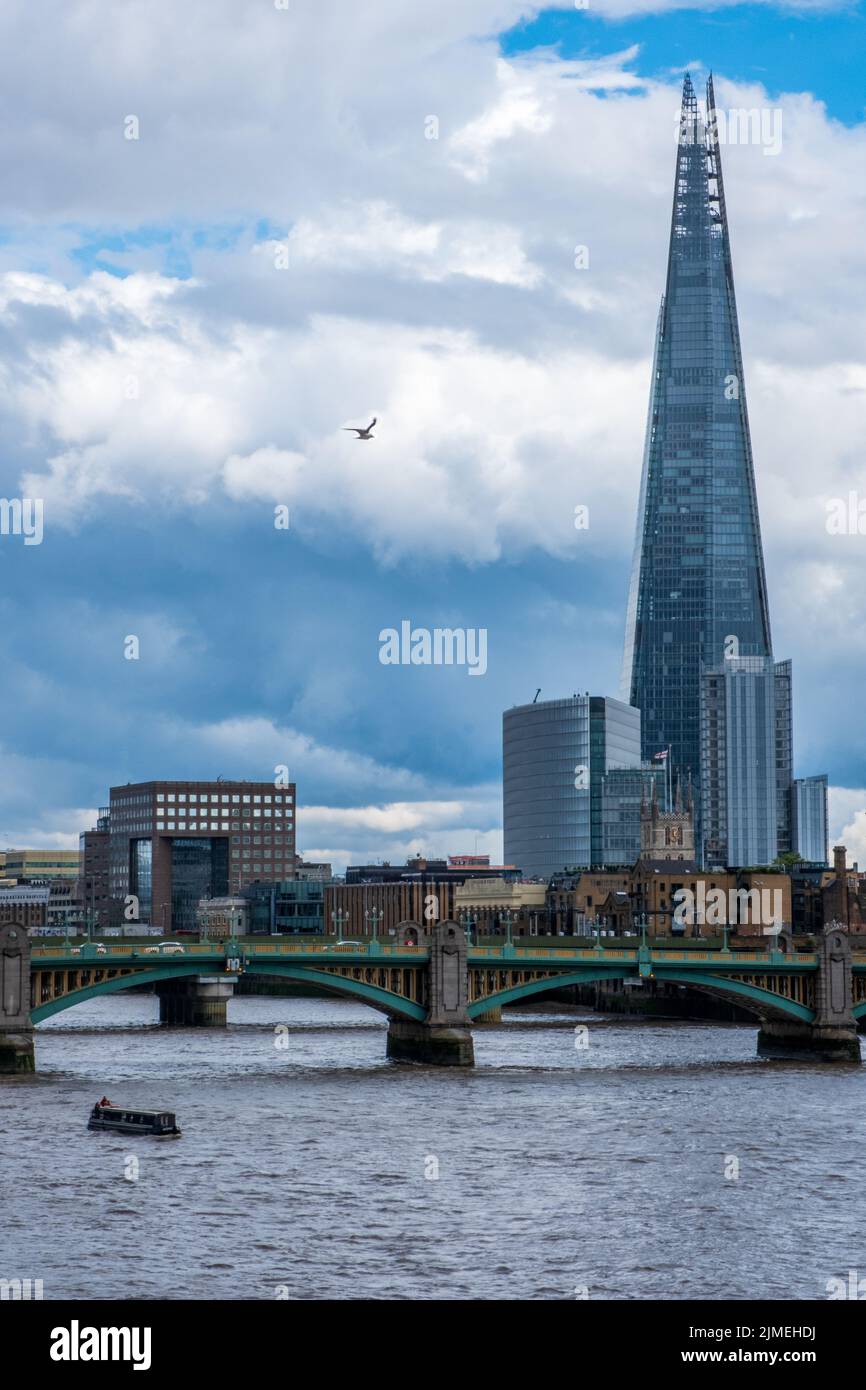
[{"x": 537, "y": 693}]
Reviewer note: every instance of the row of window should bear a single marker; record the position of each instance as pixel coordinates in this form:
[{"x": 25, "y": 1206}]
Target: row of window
[
  {"x": 216, "y": 825},
  {"x": 262, "y": 854},
  {"x": 259, "y": 840},
  {"x": 214, "y": 796}
]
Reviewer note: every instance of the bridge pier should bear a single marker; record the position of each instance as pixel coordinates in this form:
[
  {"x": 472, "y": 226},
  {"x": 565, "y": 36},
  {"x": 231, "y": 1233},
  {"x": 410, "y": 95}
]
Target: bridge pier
[
  {"x": 16, "y": 1031},
  {"x": 197, "y": 1001},
  {"x": 832, "y": 1034},
  {"x": 444, "y": 1037},
  {"x": 436, "y": 1047}
]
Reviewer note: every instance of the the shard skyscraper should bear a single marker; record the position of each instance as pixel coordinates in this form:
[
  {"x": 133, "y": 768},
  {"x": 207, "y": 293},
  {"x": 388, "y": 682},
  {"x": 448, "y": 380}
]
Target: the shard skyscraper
[{"x": 698, "y": 597}]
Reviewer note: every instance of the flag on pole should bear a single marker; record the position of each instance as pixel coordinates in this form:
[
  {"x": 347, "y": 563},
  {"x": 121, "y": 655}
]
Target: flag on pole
[{"x": 663, "y": 754}]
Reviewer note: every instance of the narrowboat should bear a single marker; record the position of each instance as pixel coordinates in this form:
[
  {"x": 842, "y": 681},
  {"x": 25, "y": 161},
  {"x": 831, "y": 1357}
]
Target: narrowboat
[{"x": 122, "y": 1120}]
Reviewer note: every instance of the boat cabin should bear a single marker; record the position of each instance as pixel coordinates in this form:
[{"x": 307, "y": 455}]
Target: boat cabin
[{"x": 105, "y": 1115}]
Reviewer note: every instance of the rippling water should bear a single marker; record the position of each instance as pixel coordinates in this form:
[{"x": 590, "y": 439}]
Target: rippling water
[{"x": 303, "y": 1169}]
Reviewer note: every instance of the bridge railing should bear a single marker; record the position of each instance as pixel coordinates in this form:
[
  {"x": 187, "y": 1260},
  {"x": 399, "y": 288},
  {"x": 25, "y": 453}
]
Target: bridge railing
[
  {"x": 525, "y": 948},
  {"x": 216, "y": 949}
]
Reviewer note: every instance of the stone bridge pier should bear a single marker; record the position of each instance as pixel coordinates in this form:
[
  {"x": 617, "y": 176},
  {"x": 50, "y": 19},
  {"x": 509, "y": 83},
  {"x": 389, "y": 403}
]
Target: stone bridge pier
[
  {"x": 832, "y": 1034},
  {"x": 195, "y": 1001},
  {"x": 16, "y": 1029},
  {"x": 444, "y": 1038}
]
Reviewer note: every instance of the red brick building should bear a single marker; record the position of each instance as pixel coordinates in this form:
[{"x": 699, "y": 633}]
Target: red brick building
[{"x": 173, "y": 843}]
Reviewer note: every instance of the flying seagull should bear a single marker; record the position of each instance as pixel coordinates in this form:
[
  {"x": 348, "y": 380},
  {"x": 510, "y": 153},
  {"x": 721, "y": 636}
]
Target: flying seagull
[{"x": 362, "y": 434}]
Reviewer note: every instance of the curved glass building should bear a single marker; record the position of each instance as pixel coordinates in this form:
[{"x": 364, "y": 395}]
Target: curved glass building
[{"x": 554, "y": 757}]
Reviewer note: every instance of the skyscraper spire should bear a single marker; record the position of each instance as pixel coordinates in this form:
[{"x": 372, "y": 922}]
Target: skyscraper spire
[{"x": 698, "y": 592}]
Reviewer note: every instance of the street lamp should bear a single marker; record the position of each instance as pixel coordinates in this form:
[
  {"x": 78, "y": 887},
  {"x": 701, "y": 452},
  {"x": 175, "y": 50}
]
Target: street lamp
[
  {"x": 508, "y": 918},
  {"x": 467, "y": 922},
  {"x": 339, "y": 918},
  {"x": 374, "y": 915}
]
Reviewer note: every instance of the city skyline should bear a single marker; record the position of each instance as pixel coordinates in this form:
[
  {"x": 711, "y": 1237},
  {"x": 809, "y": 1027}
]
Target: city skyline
[
  {"x": 493, "y": 381},
  {"x": 361, "y": 938}
]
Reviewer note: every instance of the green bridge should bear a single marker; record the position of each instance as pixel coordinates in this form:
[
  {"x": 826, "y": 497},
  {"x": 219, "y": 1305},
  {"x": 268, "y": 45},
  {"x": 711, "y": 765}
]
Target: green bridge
[{"x": 808, "y": 1002}]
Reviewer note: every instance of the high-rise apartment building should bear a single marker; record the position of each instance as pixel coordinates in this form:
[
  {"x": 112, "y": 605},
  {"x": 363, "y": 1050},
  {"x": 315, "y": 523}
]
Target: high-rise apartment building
[
  {"x": 738, "y": 763},
  {"x": 809, "y": 818},
  {"x": 698, "y": 595},
  {"x": 174, "y": 843},
  {"x": 784, "y": 733}
]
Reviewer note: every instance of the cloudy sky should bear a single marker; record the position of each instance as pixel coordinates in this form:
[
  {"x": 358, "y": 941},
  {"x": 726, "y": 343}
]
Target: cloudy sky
[{"x": 230, "y": 230}]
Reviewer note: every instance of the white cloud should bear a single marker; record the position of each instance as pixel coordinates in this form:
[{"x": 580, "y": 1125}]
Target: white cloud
[{"x": 431, "y": 283}]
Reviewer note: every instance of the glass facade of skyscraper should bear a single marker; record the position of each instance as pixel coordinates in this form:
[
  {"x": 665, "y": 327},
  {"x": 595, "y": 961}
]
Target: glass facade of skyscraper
[
  {"x": 809, "y": 816},
  {"x": 623, "y": 791},
  {"x": 698, "y": 592},
  {"x": 554, "y": 756},
  {"x": 738, "y": 759}
]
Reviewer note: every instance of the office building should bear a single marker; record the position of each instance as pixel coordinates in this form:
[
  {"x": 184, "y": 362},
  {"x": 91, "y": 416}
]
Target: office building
[
  {"x": 698, "y": 593},
  {"x": 25, "y": 906},
  {"x": 573, "y": 782},
  {"x": 295, "y": 905},
  {"x": 784, "y": 757},
  {"x": 100, "y": 909},
  {"x": 809, "y": 818},
  {"x": 554, "y": 754},
  {"x": 41, "y": 866},
  {"x": 174, "y": 843},
  {"x": 738, "y": 763}
]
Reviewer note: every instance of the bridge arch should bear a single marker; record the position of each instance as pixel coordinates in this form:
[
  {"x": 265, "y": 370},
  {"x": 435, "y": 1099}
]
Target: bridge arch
[
  {"x": 384, "y": 1001},
  {"x": 761, "y": 1002},
  {"x": 151, "y": 975}
]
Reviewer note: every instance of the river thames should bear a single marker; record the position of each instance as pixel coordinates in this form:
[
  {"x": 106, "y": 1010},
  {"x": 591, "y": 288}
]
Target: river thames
[{"x": 661, "y": 1160}]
